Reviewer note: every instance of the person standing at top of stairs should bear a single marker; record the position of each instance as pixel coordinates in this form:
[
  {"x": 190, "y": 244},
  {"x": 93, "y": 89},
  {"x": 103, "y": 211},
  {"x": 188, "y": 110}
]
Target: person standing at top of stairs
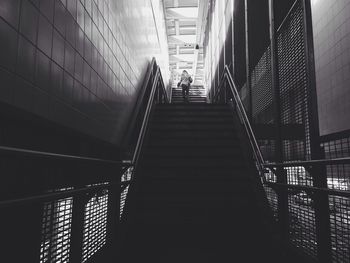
[{"x": 185, "y": 84}]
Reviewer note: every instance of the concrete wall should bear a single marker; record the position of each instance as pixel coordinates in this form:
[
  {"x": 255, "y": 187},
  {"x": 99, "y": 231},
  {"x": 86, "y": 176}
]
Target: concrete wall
[
  {"x": 78, "y": 63},
  {"x": 331, "y": 25}
]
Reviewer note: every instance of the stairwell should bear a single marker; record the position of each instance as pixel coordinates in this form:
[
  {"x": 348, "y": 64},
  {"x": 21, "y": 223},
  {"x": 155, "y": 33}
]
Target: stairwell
[{"x": 196, "y": 197}]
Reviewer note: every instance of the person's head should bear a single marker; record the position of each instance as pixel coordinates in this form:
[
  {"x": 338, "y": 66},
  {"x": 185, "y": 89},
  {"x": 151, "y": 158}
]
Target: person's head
[{"x": 184, "y": 72}]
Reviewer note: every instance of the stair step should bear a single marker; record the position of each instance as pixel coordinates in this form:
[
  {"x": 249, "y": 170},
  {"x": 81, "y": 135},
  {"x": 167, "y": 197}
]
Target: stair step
[
  {"x": 211, "y": 120},
  {"x": 186, "y": 163},
  {"x": 188, "y": 107},
  {"x": 173, "y": 143},
  {"x": 193, "y": 126},
  {"x": 192, "y": 151}
]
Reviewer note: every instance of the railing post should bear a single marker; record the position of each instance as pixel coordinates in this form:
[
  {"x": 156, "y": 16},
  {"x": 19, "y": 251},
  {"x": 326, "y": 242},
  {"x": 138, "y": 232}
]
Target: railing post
[{"x": 280, "y": 172}]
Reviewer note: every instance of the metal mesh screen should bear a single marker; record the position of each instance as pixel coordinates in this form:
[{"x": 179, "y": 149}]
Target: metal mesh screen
[
  {"x": 126, "y": 177},
  {"x": 272, "y": 198},
  {"x": 340, "y": 228},
  {"x": 298, "y": 176},
  {"x": 56, "y": 231},
  {"x": 302, "y": 227},
  {"x": 338, "y": 177},
  {"x": 293, "y": 82},
  {"x": 95, "y": 224},
  {"x": 261, "y": 83},
  {"x": 123, "y": 197}
]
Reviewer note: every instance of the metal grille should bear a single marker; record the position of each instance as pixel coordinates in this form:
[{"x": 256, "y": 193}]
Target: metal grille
[
  {"x": 302, "y": 227},
  {"x": 261, "y": 83},
  {"x": 271, "y": 193},
  {"x": 338, "y": 177},
  {"x": 56, "y": 231},
  {"x": 340, "y": 228},
  {"x": 272, "y": 198},
  {"x": 95, "y": 224},
  {"x": 126, "y": 177},
  {"x": 123, "y": 197},
  {"x": 293, "y": 82},
  {"x": 298, "y": 176}
]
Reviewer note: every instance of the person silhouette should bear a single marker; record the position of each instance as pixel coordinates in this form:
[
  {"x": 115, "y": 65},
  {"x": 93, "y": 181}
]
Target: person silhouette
[{"x": 185, "y": 84}]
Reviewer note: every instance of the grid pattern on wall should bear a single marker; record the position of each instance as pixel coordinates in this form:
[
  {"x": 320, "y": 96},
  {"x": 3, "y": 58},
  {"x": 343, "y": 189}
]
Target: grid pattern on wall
[{"x": 68, "y": 61}]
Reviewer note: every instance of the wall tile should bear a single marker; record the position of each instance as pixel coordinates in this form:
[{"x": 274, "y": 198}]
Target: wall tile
[
  {"x": 8, "y": 46},
  {"x": 331, "y": 23},
  {"x": 76, "y": 59},
  {"x": 47, "y": 8},
  {"x": 29, "y": 21},
  {"x": 9, "y": 10},
  {"x": 45, "y": 36},
  {"x": 26, "y": 59}
]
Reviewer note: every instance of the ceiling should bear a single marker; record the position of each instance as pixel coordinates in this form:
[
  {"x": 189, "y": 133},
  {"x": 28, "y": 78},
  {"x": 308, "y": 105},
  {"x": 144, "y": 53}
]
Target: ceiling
[{"x": 182, "y": 28}]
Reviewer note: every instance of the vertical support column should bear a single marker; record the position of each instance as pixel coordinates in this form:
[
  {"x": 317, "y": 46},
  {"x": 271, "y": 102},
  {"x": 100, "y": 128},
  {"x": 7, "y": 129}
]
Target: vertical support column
[
  {"x": 319, "y": 173},
  {"x": 281, "y": 172},
  {"x": 247, "y": 58}
]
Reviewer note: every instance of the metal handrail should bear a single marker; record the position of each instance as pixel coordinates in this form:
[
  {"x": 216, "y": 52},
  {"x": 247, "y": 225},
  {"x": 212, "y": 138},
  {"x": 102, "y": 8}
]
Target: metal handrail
[
  {"x": 123, "y": 164},
  {"x": 54, "y": 196},
  {"x": 19, "y": 151},
  {"x": 345, "y": 160},
  {"x": 311, "y": 189},
  {"x": 157, "y": 80},
  {"x": 243, "y": 115}
]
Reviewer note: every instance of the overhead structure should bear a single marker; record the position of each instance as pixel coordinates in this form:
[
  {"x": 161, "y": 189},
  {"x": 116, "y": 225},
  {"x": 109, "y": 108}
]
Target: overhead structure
[{"x": 185, "y": 53}]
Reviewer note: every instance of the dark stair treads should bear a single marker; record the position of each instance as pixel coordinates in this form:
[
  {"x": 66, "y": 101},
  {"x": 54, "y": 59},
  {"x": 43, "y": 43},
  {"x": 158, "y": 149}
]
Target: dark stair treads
[
  {"x": 196, "y": 199},
  {"x": 196, "y": 94}
]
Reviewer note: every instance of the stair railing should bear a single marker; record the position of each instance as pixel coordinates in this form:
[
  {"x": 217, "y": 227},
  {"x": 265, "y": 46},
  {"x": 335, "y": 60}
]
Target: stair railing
[
  {"x": 227, "y": 91},
  {"x": 325, "y": 200},
  {"x": 154, "y": 93}
]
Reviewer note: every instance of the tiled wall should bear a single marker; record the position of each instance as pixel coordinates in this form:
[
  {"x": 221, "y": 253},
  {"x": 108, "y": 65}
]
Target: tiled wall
[
  {"x": 331, "y": 25},
  {"x": 78, "y": 63}
]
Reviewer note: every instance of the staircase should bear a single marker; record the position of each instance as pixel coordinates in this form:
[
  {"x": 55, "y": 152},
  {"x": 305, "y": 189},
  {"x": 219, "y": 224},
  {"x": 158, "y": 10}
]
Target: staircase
[
  {"x": 197, "y": 94},
  {"x": 196, "y": 197}
]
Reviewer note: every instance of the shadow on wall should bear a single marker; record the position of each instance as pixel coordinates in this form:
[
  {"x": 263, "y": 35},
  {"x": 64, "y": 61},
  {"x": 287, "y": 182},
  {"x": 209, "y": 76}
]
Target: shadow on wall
[{"x": 78, "y": 65}]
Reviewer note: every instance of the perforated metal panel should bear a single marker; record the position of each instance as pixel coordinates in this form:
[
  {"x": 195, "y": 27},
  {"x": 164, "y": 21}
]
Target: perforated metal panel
[
  {"x": 56, "y": 231},
  {"x": 294, "y": 89},
  {"x": 302, "y": 228},
  {"x": 338, "y": 177},
  {"x": 126, "y": 177},
  {"x": 123, "y": 197},
  {"x": 340, "y": 228},
  {"x": 272, "y": 198},
  {"x": 95, "y": 224},
  {"x": 261, "y": 84}
]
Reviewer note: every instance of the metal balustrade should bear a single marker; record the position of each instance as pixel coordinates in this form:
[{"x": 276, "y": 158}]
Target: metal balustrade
[
  {"x": 74, "y": 223},
  {"x": 308, "y": 191}
]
